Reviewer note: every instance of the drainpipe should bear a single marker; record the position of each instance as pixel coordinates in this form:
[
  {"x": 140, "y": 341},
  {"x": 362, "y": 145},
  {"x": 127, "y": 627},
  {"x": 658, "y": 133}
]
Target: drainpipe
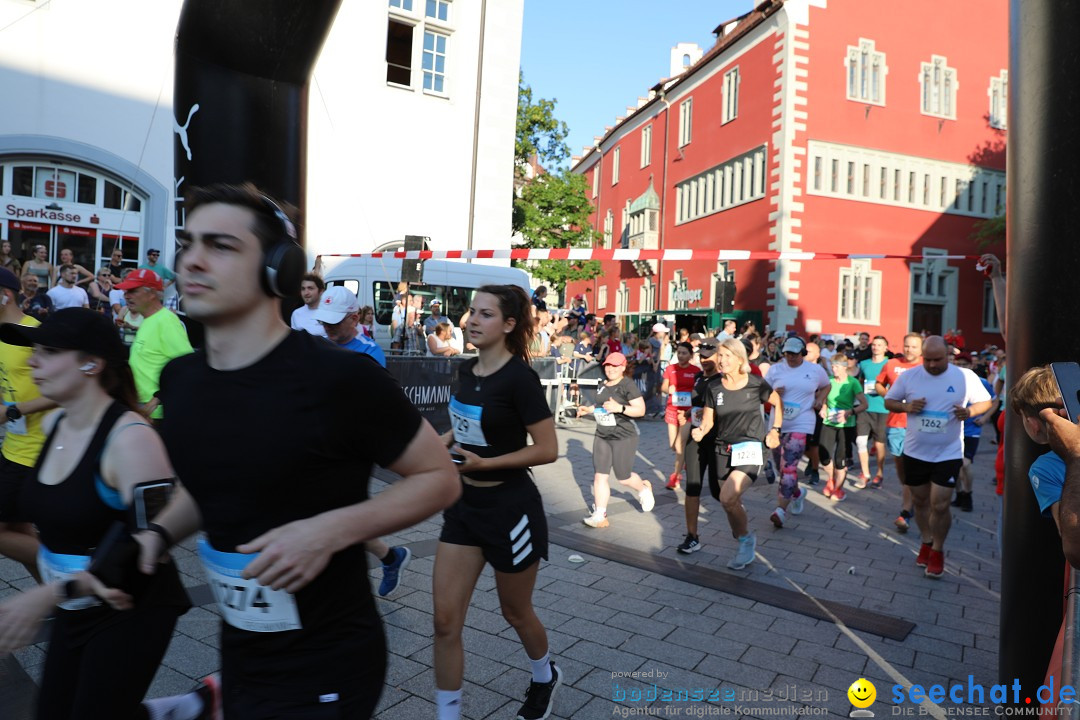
[
  {"x": 663, "y": 194},
  {"x": 476, "y": 125},
  {"x": 599, "y": 199}
]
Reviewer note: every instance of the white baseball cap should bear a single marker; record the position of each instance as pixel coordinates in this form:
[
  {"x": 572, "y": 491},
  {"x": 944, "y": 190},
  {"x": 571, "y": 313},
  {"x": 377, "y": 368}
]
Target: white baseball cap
[
  {"x": 336, "y": 303},
  {"x": 660, "y": 327}
]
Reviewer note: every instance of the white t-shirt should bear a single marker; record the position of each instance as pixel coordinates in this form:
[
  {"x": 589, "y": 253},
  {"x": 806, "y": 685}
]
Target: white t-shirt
[
  {"x": 935, "y": 435},
  {"x": 63, "y": 297},
  {"x": 116, "y": 297},
  {"x": 303, "y": 318},
  {"x": 797, "y": 387}
]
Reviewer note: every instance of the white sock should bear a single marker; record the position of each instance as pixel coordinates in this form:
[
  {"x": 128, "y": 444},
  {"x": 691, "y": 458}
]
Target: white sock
[
  {"x": 448, "y": 703},
  {"x": 541, "y": 669},
  {"x": 181, "y": 707},
  {"x": 600, "y": 511}
]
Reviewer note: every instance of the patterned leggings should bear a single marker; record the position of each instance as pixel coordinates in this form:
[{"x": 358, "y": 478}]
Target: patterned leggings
[{"x": 786, "y": 457}]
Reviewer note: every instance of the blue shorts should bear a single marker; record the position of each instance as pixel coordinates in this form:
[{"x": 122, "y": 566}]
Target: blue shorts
[{"x": 896, "y": 440}]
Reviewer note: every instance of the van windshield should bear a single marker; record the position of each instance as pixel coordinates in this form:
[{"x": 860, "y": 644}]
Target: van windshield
[{"x": 455, "y": 300}]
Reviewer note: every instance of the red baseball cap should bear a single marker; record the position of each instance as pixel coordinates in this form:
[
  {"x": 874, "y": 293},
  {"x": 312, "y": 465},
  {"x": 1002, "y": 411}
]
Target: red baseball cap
[
  {"x": 615, "y": 358},
  {"x": 141, "y": 278}
]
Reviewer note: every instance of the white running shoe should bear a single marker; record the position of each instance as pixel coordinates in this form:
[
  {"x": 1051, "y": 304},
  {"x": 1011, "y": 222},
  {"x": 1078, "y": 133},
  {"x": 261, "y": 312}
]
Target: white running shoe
[
  {"x": 778, "y": 516},
  {"x": 745, "y": 554},
  {"x": 645, "y": 497},
  {"x": 597, "y": 519},
  {"x": 796, "y": 506}
]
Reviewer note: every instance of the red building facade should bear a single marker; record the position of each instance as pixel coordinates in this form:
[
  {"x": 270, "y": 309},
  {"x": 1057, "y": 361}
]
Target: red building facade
[{"x": 840, "y": 126}]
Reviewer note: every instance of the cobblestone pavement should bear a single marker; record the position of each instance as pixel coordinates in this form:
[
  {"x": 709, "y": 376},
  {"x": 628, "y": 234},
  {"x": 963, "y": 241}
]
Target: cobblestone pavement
[{"x": 761, "y": 645}]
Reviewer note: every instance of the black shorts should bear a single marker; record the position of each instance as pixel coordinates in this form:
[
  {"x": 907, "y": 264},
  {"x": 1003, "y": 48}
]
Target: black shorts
[
  {"x": 971, "y": 446},
  {"x": 872, "y": 424},
  {"x": 814, "y": 439},
  {"x": 506, "y": 522},
  {"x": 354, "y": 703},
  {"x": 617, "y": 453},
  {"x": 724, "y": 466},
  {"x": 12, "y": 475},
  {"x": 919, "y": 472}
]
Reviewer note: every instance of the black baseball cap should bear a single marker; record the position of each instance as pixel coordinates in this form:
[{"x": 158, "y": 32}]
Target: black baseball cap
[
  {"x": 70, "y": 329},
  {"x": 708, "y": 347},
  {"x": 8, "y": 280}
]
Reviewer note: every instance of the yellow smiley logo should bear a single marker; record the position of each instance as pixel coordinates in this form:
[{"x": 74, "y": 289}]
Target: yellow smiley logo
[{"x": 862, "y": 693}]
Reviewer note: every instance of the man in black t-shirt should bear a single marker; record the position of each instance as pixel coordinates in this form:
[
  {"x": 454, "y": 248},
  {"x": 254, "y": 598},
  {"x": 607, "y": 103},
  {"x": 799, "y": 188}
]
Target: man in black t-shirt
[
  {"x": 36, "y": 305},
  {"x": 273, "y": 434}
]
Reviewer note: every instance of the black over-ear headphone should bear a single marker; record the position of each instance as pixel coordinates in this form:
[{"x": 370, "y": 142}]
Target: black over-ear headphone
[{"x": 284, "y": 260}]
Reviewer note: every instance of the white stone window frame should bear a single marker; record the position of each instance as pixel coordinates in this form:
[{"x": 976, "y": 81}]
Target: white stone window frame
[
  {"x": 646, "y": 146},
  {"x": 647, "y": 296},
  {"x": 938, "y": 88},
  {"x": 998, "y": 96},
  {"x": 989, "y": 309},
  {"x": 851, "y": 303},
  {"x": 601, "y": 297},
  {"x": 448, "y": 4},
  {"x": 622, "y": 298},
  {"x": 934, "y": 270},
  {"x": 596, "y": 180},
  {"x": 730, "y": 96},
  {"x": 609, "y": 225},
  {"x": 686, "y": 121},
  {"x": 416, "y": 16},
  {"x": 955, "y": 188},
  {"x": 736, "y": 181},
  {"x": 616, "y": 157},
  {"x": 860, "y": 62},
  {"x": 678, "y": 282}
]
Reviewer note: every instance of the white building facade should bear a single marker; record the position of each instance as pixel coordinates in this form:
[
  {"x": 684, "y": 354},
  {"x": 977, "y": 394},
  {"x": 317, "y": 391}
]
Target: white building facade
[{"x": 87, "y": 127}]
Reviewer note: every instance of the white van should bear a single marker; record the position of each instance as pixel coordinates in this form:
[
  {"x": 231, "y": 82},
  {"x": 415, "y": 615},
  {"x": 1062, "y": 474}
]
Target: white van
[{"x": 375, "y": 282}]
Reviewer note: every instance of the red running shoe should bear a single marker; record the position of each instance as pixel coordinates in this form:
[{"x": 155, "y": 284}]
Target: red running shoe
[
  {"x": 829, "y": 489},
  {"x": 876, "y": 481},
  {"x": 924, "y": 554},
  {"x": 935, "y": 565},
  {"x": 673, "y": 482}
]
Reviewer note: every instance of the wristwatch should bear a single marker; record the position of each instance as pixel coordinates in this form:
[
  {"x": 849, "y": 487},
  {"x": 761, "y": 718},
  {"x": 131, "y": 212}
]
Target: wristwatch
[{"x": 13, "y": 413}]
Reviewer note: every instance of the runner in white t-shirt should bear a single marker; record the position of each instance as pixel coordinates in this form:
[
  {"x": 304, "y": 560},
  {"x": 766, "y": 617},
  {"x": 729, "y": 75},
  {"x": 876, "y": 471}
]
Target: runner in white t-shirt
[
  {"x": 938, "y": 398},
  {"x": 803, "y": 387},
  {"x": 66, "y": 294}
]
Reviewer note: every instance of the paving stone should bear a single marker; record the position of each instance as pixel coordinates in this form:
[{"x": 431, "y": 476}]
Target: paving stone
[
  {"x": 733, "y": 672},
  {"x": 788, "y": 664},
  {"x": 663, "y": 651}
]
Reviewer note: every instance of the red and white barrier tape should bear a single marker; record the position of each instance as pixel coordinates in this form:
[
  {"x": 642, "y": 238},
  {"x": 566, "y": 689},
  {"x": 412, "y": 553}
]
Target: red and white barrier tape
[{"x": 631, "y": 255}]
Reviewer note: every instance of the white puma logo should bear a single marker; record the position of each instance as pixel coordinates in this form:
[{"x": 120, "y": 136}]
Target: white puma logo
[{"x": 181, "y": 130}]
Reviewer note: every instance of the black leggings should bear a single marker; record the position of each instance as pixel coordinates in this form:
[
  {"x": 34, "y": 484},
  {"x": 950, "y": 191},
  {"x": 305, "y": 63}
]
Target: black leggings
[
  {"x": 103, "y": 674},
  {"x": 835, "y": 444},
  {"x": 699, "y": 460}
]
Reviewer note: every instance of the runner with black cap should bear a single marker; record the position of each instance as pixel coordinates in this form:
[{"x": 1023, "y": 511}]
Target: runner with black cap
[
  {"x": 700, "y": 454},
  {"x": 25, "y": 408},
  {"x": 618, "y": 399},
  {"x": 105, "y": 644}
]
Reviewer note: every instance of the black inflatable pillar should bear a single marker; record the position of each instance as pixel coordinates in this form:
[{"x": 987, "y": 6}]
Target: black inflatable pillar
[{"x": 1042, "y": 270}]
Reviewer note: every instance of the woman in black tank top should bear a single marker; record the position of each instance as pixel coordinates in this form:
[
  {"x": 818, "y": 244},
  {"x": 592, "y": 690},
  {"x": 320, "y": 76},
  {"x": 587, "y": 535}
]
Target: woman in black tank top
[{"x": 104, "y": 648}]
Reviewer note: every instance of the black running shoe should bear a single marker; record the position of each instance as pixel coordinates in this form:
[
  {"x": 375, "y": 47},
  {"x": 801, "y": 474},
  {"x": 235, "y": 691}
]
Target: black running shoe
[
  {"x": 540, "y": 696},
  {"x": 689, "y": 545}
]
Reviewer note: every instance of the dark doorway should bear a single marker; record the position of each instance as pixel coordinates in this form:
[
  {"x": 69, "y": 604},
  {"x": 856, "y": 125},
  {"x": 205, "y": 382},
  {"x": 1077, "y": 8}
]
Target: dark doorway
[{"x": 925, "y": 316}]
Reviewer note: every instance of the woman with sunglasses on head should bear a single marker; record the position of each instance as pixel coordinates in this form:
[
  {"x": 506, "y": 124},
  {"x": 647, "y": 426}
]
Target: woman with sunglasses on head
[
  {"x": 106, "y": 644},
  {"x": 497, "y": 404},
  {"x": 99, "y": 291},
  {"x": 39, "y": 266},
  {"x": 734, "y": 407}
]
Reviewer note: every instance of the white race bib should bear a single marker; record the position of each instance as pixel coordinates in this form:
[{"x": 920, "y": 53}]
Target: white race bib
[
  {"x": 245, "y": 604},
  {"x": 695, "y": 416},
  {"x": 791, "y": 410},
  {"x": 869, "y": 387},
  {"x": 54, "y": 567},
  {"x": 603, "y": 417},
  {"x": 680, "y": 399},
  {"x": 746, "y": 453},
  {"x": 16, "y": 427},
  {"x": 465, "y": 421},
  {"x": 931, "y": 422}
]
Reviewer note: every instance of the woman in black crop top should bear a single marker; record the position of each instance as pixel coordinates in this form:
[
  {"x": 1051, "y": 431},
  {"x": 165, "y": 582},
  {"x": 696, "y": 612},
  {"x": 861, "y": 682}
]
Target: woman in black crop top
[
  {"x": 497, "y": 404},
  {"x": 104, "y": 650}
]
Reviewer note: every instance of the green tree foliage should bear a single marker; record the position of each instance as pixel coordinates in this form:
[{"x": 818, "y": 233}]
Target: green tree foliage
[
  {"x": 990, "y": 232},
  {"x": 552, "y": 209},
  {"x": 555, "y": 214}
]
